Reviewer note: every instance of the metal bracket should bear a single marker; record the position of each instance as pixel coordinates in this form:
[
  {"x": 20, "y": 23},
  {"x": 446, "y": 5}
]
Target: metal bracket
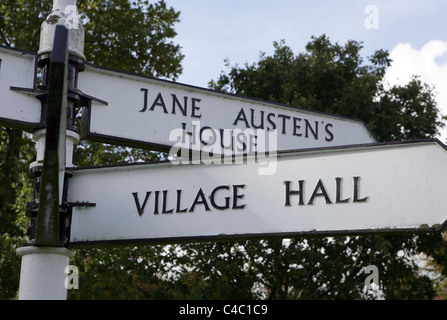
[
  {"x": 65, "y": 219},
  {"x": 70, "y": 205},
  {"x": 32, "y": 208}
]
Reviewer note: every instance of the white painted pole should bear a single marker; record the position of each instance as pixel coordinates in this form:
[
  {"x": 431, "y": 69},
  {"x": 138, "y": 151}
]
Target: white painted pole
[
  {"x": 44, "y": 272},
  {"x": 64, "y": 13},
  {"x": 44, "y": 268}
]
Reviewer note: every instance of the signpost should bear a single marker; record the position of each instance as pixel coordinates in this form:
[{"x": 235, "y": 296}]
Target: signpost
[
  {"x": 19, "y": 107},
  {"x": 330, "y": 175},
  {"x": 45, "y": 257},
  {"x": 382, "y": 188},
  {"x": 53, "y": 175},
  {"x": 44, "y": 262},
  {"x": 144, "y": 112}
]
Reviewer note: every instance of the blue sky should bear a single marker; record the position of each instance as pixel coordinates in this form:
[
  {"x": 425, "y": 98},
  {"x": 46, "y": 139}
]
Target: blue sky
[{"x": 414, "y": 32}]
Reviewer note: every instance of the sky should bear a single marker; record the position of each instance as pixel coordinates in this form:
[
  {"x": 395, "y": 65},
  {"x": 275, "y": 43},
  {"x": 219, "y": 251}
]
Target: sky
[{"x": 414, "y": 32}]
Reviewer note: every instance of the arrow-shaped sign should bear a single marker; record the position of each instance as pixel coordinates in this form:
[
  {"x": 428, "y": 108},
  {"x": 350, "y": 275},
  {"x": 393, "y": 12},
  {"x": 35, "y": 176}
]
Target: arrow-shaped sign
[
  {"x": 152, "y": 113},
  {"x": 391, "y": 187},
  {"x": 19, "y": 106}
]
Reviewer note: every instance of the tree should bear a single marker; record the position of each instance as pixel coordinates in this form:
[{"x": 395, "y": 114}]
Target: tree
[
  {"x": 132, "y": 36},
  {"x": 332, "y": 78},
  {"x": 326, "y": 77},
  {"x": 135, "y": 36}
]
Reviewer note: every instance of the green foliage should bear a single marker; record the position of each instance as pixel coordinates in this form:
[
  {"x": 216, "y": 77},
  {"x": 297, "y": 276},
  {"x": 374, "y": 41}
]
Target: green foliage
[
  {"x": 120, "y": 273},
  {"x": 15, "y": 190},
  {"x": 133, "y": 36},
  {"x": 216, "y": 270},
  {"x": 14, "y": 224},
  {"x": 332, "y": 78},
  {"x": 136, "y": 36},
  {"x": 20, "y": 23}
]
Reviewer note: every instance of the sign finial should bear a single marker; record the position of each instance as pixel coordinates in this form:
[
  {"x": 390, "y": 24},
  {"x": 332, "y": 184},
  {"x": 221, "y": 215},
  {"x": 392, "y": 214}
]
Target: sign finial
[{"x": 65, "y": 13}]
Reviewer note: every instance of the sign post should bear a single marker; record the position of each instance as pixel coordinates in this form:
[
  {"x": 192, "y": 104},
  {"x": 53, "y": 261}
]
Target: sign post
[
  {"x": 391, "y": 187},
  {"x": 144, "y": 112},
  {"x": 52, "y": 182},
  {"x": 330, "y": 176},
  {"x": 45, "y": 257},
  {"x": 44, "y": 263}
]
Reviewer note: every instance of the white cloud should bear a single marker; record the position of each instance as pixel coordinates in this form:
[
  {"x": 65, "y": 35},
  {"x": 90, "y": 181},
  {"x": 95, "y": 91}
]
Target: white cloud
[{"x": 408, "y": 61}]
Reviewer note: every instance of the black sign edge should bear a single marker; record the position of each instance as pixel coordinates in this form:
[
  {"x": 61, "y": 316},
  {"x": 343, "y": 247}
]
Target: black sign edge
[
  {"x": 253, "y": 236},
  {"x": 285, "y": 153}
]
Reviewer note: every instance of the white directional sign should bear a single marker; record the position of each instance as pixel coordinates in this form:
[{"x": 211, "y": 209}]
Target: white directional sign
[
  {"x": 373, "y": 188},
  {"x": 19, "y": 106},
  {"x": 148, "y": 112}
]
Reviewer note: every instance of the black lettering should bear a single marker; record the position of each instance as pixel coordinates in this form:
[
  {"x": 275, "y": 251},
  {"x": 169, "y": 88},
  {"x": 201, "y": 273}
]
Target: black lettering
[
  {"x": 339, "y": 192},
  {"x": 179, "y": 196},
  {"x": 309, "y": 127},
  {"x": 318, "y": 192},
  {"x": 159, "y": 102},
  {"x": 252, "y": 143},
  {"x": 156, "y": 202},
  {"x": 331, "y": 135},
  {"x": 290, "y": 192},
  {"x": 200, "y": 199},
  {"x": 295, "y": 127},
  {"x": 184, "y": 132},
  {"x": 175, "y": 102},
  {"x": 241, "y": 116},
  {"x": 271, "y": 122},
  {"x": 195, "y": 108},
  {"x": 165, "y": 196},
  {"x": 356, "y": 191},
  {"x": 192, "y": 134},
  {"x": 213, "y": 133},
  {"x": 145, "y": 99},
  {"x": 237, "y": 196},
  {"x": 240, "y": 139},
  {"x": 213, "y": 200},
  {"x": 260, "y": 126},
  {"x": 284, "y": 118},
  {"x": 140, "y": 208},
  {"x": 226, "y": 136}
]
